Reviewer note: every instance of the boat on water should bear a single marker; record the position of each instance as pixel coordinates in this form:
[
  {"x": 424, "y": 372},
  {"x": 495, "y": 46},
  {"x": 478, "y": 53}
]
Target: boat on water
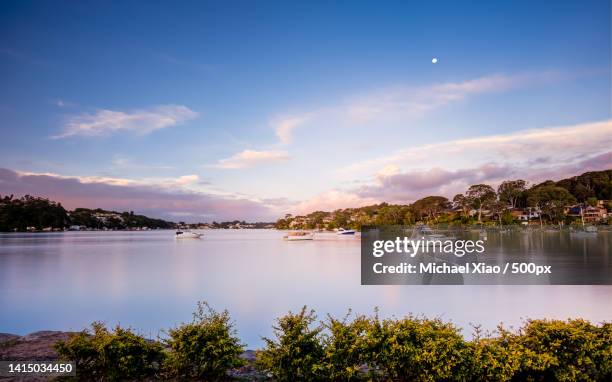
[
  {"x": 299, "y": 235},
  {"x": 187, "y": 235},
  {"x": 429, "y": 234},
  {"x": 342, "y": 231},
  {"x": 588, "y": 231}
]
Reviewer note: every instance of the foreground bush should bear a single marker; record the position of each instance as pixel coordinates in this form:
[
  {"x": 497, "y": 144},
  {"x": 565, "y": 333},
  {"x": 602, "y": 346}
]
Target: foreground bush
[
  {"x": 204, "y": 349},
  {"x": 573, "y": 350},
  {"x": 103, "y": 355},
  {"x": 296, "y": 353},
  {"x": 348, "y": 349},
  {"x": 493, "y": 359},
  {"x": 419, "y": 349}
]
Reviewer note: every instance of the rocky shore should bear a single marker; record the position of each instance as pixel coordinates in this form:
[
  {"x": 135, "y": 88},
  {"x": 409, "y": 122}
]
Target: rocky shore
[{"x": 38, "y": 346}]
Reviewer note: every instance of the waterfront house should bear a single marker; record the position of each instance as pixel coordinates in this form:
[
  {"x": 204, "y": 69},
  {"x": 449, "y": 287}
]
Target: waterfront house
[
  {"x": 590, "y": 214},
  {"x": 525, "y": 215}
]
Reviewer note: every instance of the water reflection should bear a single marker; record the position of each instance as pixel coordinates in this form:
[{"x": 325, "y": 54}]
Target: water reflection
[{"x": 150, "y": 281}]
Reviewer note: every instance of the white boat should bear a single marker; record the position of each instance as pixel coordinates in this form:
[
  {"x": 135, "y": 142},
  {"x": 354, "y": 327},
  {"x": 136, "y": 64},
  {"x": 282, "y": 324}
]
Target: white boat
[
  {"x": 299, "y": 235},
  {"x": 342, "y": 231},
  {"x": 429, "y": 234},
  {"x": 187, "y": 235}
]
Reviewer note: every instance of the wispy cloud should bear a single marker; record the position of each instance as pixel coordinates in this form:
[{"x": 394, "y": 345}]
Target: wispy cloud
[
  {"x": 400, "y": 103},
  {"x": 284, "y": 127},
  {"x": 140, "y": 121},
  {"x": 413, "y": 101},
  {"x": 251, "y": 158},
  {"x": 120, "y": 162},
  {"x": 395, "y": 104}
]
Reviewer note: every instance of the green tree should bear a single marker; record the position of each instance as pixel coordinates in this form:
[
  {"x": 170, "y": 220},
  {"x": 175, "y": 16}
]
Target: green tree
[
  {"x": 430, "y": 206},
  {"x": 509, "y": 191},
  {"x": 498, "y": 207},
  {"x": 480, "y": 197},
  {"x": 463, "y": 202},
  {"x": 551, "y": 200}
]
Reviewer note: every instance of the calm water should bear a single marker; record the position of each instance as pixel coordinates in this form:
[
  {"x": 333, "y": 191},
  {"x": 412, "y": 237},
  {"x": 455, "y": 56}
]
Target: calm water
[{"x": 150, "y": 281}]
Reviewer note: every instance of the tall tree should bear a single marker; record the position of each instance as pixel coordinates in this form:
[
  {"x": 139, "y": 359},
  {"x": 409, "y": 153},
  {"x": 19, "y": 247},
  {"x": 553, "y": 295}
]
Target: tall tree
[
  {"x": 510, "y": 191},
  {"x": 498, "y": 207},
  {"x": 462, "y": 202},
  {"x": 480, "y": 196},
  {"x": 430, "y": 206},
  {"x": 551, "y": 200}
]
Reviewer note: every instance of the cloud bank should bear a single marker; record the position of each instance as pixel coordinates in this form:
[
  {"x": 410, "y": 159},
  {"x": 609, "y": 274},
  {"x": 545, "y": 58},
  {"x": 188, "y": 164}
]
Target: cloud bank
[
  {"x": 451, "y": 167},
  {"x": 162, "y": 199}
]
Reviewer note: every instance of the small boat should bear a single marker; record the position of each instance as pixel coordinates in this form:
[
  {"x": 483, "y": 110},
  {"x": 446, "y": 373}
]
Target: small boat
[
  {"x": 342, "y": 231},
  {"x": 299, "y": 235},
  {"x": 425, "y": 232},
  {"x": 187, "y": 235},
  {"x": 588, "y": 231}
]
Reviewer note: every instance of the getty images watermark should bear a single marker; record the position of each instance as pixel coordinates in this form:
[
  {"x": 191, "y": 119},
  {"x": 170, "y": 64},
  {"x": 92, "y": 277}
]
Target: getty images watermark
[{"x": 421, "y": 255}]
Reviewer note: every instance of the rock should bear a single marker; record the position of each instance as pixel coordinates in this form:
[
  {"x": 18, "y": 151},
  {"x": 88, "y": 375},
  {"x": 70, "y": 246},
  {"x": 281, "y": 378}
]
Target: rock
[
  {"x": 6, "y": 337},
  {"x": 37, "y": 346}
]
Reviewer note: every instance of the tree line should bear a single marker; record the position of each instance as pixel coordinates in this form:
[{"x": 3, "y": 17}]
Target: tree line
[
  {"x": 21, "y": 214},
  {"x": 548, "y": 198}
]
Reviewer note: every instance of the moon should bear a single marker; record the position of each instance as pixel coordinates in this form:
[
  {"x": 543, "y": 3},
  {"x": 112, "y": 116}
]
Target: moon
[{"x": 434, "y": 60}]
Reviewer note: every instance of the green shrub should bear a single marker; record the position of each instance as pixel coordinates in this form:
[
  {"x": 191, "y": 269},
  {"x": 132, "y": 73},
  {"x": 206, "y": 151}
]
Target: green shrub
[
  {"x": 346, "y": 349},
  {"x": 206, "y": 348},
  {"x": 419, "y": 349},
  {"x": 297, "y": 352},
  {"x": 573, "y": 350},
  {"x": 104, "y": 355},
  {"x": 490, "y": 358}
]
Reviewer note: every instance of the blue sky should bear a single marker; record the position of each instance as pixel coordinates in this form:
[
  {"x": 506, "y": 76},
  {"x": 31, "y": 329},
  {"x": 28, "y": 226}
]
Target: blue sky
[{"x": 211, "y": 110}]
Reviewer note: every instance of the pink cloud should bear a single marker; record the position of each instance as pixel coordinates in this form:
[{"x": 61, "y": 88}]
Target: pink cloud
[{"x": 153, "y": 200}]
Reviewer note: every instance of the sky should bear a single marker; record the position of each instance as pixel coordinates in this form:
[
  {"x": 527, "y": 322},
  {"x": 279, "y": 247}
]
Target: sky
[{"x": 222, "y": 110}]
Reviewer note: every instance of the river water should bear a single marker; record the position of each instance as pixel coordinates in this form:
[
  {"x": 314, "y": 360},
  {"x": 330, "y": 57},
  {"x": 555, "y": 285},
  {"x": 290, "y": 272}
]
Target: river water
[{"x": 150, "y": 282}]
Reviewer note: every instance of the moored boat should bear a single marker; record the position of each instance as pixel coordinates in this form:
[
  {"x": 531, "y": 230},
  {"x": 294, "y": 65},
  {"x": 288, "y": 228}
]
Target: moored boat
[
  {"x": 342, "y": 231},
  {"x": 187, "y": 235},
  {"x": 299, "y": 235}
]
